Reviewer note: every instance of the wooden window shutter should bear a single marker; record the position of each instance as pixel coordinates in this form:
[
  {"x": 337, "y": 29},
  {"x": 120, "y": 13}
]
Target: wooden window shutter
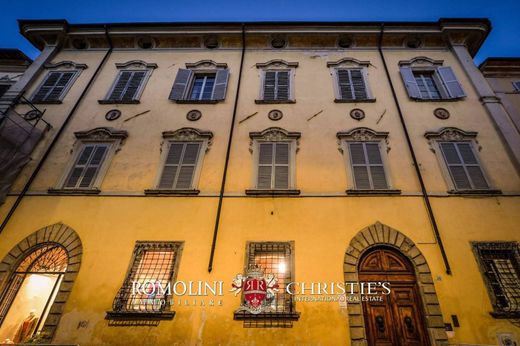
[
  {"x": 181, "y": 163},
  {"x": 273, "y": 165},
  {"x": 281, "y": 166},
  {"x": 221, "y": 81},
  {"x": 451, "y": 83},
  {"x": 87, "y": 166},
  {"x": 53, "y": 86},
  {"x": 463, "y": 166},
  {"x": 410, "y": 82},
  {"x": 265, "y": 165},
  {"x": 181, "y": 84},
  {"x": 270, "y": 85},
  {"x": 367, "y": 166},
  {"x": 283, "y": 85},
  {"x": 127, "y": 85},
  {"x": 351, "y": 84}
]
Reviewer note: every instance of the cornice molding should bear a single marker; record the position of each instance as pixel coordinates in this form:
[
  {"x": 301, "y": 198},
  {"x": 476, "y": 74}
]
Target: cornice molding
[
  {"x": 136, "y": 64},
  {"x": 65, "y": 64},
  {"x": 277, "y": 63},
  {"x": 450, "y": 134},
  {"x": 348, "y": 61},
  {"x": 275, "y": 134},
  {"x": 101, "y": 134},
  {"x": 205, "y": 64},
  {"x": 187, "y": 134},
  {"x": 362, "y": 134},
  {"x": 421, "y": 60}
]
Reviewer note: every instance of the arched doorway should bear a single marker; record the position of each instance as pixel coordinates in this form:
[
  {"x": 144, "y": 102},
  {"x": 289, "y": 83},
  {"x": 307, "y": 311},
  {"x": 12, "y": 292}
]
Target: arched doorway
[{"x": 398, "y": 319}]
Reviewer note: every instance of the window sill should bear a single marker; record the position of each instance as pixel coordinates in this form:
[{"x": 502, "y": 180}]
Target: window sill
[
  {"x": 438, "y": 100},
  {"x": 354, "y": 101},
  {"x": 49, "y": 102},
  {"x": 118, "y": 102},
  {"x": 186, "y": 192},
  {"x": 505, "y": 315},
  {"x": 197, "y": 102},
  {"x": 272, "y": 192},
  {"x": 288, "y": 316},
  {"x": 270, "y": 102},
  {"x": 94, "y": 191},
  {"x": 373, "y": 192},
  {"x": 475, "y": 192},
  {"x": 139, "y": 316}
]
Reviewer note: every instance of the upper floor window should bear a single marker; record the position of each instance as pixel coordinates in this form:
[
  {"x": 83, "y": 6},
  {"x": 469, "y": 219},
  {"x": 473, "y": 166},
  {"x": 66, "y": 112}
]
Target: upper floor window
[
  {"x": 130, "y": 82},
  {"x": 366, "y": 159},
  {"x": 427, "y": 79},
  {"x": 93, "y": 152},
  {"x": 153, "y": 266},
  {"x": 516, "y": 85},
  {"x": 350, "y": 80},
  {"x": 459, "y": 159},
  {"x": 182, "y": 161},
  {"x": 277, "y": 80},
  {"x": 274, "y": 152},
  {"x": 202, "y": 82},
  {"x": 57, "y": 82},
  {"x": 500, "y": 266}
]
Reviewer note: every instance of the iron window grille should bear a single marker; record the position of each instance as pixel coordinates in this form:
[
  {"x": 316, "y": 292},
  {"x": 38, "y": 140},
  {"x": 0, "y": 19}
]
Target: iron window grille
[
  {"x": 153, "y": 265},
  {"x": 273, "y": 258},
  {"x": 500, "y": 266}
]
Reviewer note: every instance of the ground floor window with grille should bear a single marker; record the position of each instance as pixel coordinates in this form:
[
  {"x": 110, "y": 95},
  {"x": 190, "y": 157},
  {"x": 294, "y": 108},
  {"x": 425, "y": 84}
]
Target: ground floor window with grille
[
  {"x": 26, "y": 301},
  {"x": 143, "y": 293},
  {"x": 276, "y": 259},
  {"x": 500, "y": 267}
]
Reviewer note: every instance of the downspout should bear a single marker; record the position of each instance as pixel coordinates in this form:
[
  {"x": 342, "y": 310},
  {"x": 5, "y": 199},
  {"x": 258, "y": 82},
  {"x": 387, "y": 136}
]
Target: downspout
[
  {"x": 228, "y": 151},
  {"x": 57, "y": 136},
  {"x": 414, "y": 158}
]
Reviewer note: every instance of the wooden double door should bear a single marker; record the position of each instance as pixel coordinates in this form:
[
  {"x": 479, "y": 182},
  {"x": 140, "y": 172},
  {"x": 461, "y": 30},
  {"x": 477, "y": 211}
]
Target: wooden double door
[{"x": 398, "y": 319}]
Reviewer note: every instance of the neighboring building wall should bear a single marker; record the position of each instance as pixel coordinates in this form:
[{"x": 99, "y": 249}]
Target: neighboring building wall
[{"x": 323, "y": 221}]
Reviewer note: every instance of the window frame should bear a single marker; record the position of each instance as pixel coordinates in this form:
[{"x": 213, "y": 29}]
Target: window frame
[
  {"x": 337, "y": 89},
  {"x": 139, "y": 92},
  {"x": 439, "y": 85},
  {"x": 291, "y": 75},
  {"x": 76, "y": 72},
  {"x": 291, "y": 184},
  {"x": 350, "y": 167}
]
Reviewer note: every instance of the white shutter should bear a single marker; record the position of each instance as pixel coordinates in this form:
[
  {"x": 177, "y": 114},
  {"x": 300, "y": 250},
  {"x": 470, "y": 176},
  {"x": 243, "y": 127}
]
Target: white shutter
[
  {"x": 410, "y": 83},
  {"x": 87, "y": 166},
  {"x": 181, "y": 84},
  {"x": 450, "y": 81},
  {"x": 221, "y": 81}
]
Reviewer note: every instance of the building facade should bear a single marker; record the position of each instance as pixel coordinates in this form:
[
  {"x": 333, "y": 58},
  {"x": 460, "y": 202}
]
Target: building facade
[{"x": 314, "y": 153}]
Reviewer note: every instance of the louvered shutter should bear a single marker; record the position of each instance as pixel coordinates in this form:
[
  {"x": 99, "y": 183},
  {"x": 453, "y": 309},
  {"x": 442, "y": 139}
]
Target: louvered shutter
[
  {"x": 171, "y": 166},
  {"x": 265, "y": 165},
  {"x": 344, "y": 86},
  {"x": 269, "y": 85},
  {"x": 180, "y": 85},
  {"x": 180, "y": 165},
  {"x": 221, "y": 81},
  {"x": 351, "y": 84},
  {"x": 367, "y": 166},
  {"x": 451, "y": 82},
  {"x": 281, "y": 166},
  {"x": 87, "y": 166},
  {"x": 463, "y": 166},
  {"x": 120, "y": 86},
  {"x": 133, "y": 85},
  {"x": 53, "y": 86},
  {"x": 410, "y": 82},
  {"x": 188, "y": 165},
  {"x": 282, "y": 85}
]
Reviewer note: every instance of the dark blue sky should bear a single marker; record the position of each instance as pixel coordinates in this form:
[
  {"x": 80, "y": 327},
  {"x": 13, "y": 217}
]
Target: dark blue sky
[{"x": 504, "y": 15}]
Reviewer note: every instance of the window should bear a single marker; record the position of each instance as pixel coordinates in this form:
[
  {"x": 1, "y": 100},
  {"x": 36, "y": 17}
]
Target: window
[
  {"x": 516, "y": 85},
  {"x": 277, "y": 78},
  {"x": 54, "y": 87},
  {"x": 4, "y": 88},
  {"x": 274, "y": 258},
  {"x": 144, "y": 290},
  {"x": 500, "y": 266},
  {"x": 204, "y": 82},
  {"x": 130, "y": 82},
  {"x": 427, "y": 79},
  {"x": 351, "y": 84},
  {"x": 367, "y": 166},
  {"x": 463, "y": 166},
  {"x": 180, "y": 165},
  {"x": 92, "y": 154},
  {"x": 275, "y": 151},
  {"x": 87, "y": 166}
]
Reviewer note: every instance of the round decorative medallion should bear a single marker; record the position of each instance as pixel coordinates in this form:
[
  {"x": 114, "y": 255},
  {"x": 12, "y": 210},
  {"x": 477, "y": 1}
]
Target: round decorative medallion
[
  {"x": 32, "y": 114},
  {"x": 275, "y": 115},
  {"x": 193, "y": 115},
  {"x": 441, "y": 113},
  {"x": 278, "y": 42},
  {"x": 113, "y": 114},
  {"x": 344, "y": 42},
  {"x": 211, "y": 42},
  {"x": 357, "y": 114},
  {"x": 145, "y": 42}
]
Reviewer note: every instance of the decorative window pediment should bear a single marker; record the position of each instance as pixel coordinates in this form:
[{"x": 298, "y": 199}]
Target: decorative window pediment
[
  {"x": 421, "y": 61},
  {"x": 101, "y": 134},
  {"x": 450, "y": 134},
  {"x": 66, "y": 65},
  {"x": 275, "y": 134},
  {"x": 206, "y": 64},
  {"x": 277, "y": 63},
  {"x": 204, "y": 81},
  {"x": 187, "y": 134},
  {"x": 362, "y": 134},
  {"x": 348, "y": 62},
  {"x": 136, "y": 64},
  {"x": 57, "y": 82}
]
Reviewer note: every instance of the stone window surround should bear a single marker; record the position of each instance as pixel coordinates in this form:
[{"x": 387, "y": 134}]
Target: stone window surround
[
  {"x": 132, "y": 65},
  {"x": 453, "y": 134},
  {"x": 277, "y": 65},
  {"x": 60, "y": 234},
  {"x": 365, "y": 134},
  {"x": 98, "y": 135},
  {"x": 379, "y": 234},
  {"x": 346, "y": 64},
  {"x": 62, "y": 66},
  {"x": 274, "y": 134},
  {"x": 185, "y": 134}
]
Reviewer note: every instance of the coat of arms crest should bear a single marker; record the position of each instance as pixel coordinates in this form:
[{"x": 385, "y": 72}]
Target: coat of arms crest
[{"x": 259, "y": 290}]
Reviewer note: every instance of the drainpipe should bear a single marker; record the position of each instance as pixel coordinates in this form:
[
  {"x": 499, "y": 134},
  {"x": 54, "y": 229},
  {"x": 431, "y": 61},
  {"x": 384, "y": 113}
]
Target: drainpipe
[
  {"x": 228, "y": 151},
  {"x": 57, "y": 136},
  {"x": 414, "y": 158}
]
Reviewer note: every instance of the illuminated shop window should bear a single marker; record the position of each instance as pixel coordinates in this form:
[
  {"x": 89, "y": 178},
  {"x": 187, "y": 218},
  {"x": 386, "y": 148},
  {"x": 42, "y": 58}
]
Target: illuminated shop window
[
  {"x": 144, "y": 290},
  {"x": 26, "y": 302}
]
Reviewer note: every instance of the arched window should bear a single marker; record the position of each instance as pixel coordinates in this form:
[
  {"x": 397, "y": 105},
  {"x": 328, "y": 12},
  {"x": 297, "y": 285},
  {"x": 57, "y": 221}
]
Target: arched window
[{"x": 30, "y": 292}]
